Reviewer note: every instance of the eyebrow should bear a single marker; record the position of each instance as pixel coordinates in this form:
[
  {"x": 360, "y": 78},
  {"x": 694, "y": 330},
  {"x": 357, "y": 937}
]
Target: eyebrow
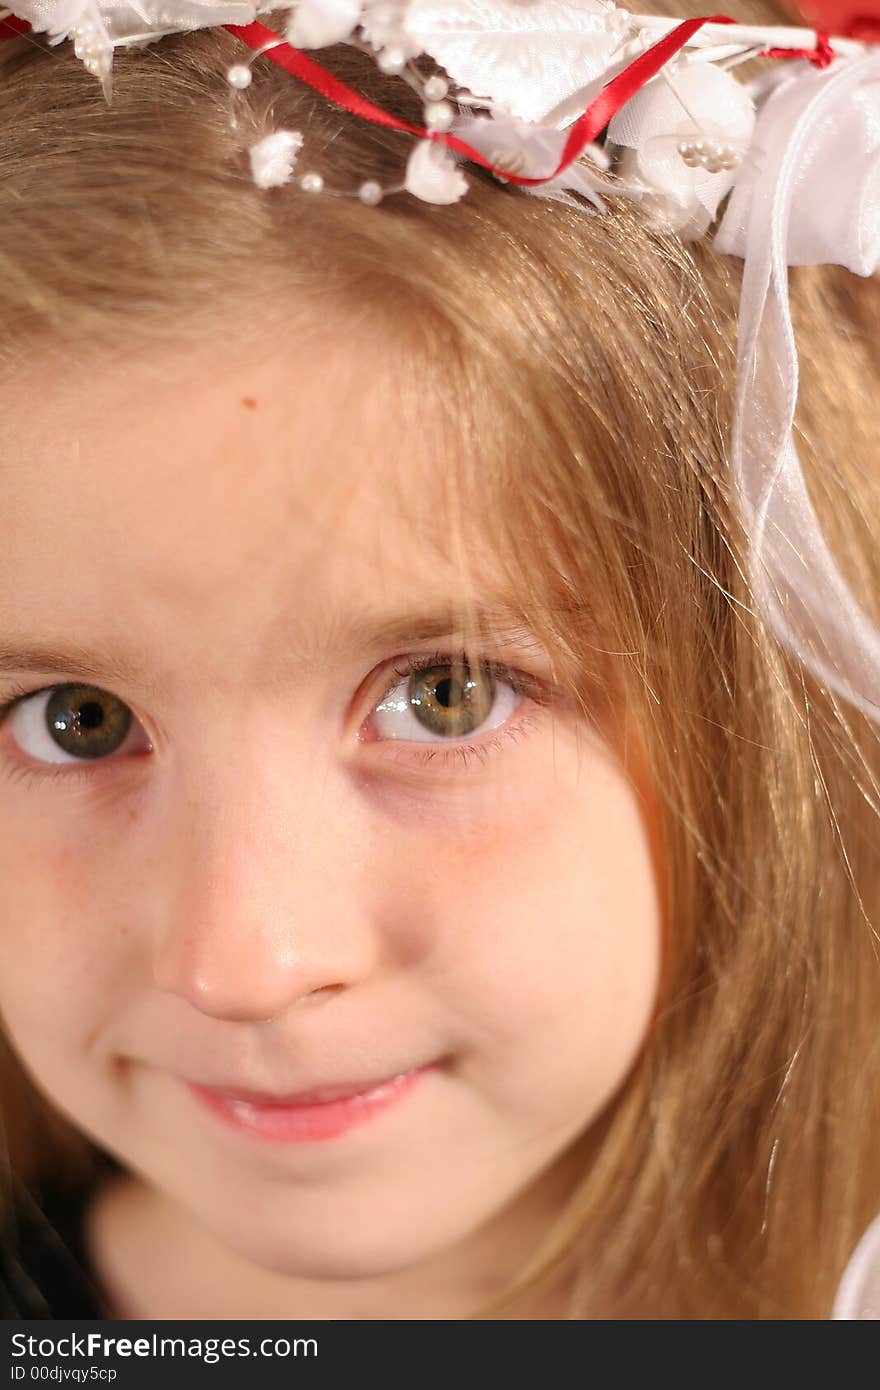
[{"x": 496, "y": 622}]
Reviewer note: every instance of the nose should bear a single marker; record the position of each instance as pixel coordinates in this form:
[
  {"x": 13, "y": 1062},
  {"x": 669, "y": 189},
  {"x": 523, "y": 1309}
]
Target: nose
[{"x": 266, "y": 909}]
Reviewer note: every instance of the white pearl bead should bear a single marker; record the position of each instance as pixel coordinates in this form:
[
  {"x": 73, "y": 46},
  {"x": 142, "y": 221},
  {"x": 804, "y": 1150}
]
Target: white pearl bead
[
  {"x": 239, "y": 76},
  {"x": 436, "y": 88},
  {"x": 311, "y": 183},
  {"x": 688, "y": 151},
  {"x": 370, "y": 193},
  {"x": 439, "y": 115},
  {"x": 392, "y": 60}
]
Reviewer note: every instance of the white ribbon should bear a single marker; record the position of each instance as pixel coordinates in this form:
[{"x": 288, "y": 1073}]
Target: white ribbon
[
  {"x": 810, "y": 195},
  {"x": 858, "y": 1294}
]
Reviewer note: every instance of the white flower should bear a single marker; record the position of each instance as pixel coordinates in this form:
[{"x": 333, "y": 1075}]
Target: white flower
[
  {"x": 274, "y": 157},
  {"x": 319, "y": 23},
  {"x": 433, "y": 175},
  {"x": 699, "y": 100},
  {"x": 124, "y": 19},
  {"x": 97, "y": 27},
  {"x": 383, "y": 28}
]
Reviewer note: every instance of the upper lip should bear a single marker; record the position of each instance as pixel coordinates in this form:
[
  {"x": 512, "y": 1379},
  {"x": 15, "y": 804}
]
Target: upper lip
[{"x": 313, "y": 1096}]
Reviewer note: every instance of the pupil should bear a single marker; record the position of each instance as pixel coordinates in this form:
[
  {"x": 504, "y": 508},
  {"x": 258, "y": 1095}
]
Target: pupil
[
  {"x": 449, "y": 692},
  {"x": 91, "y": 716}
]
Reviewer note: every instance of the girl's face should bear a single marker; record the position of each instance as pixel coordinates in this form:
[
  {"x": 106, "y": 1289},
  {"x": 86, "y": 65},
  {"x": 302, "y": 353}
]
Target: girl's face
[{"x": 241, "y": 847}]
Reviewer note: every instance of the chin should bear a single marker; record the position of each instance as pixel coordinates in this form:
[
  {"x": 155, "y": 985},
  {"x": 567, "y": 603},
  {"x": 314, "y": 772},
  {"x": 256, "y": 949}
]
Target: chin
[
  {"x": 339, "y": 1242},
  {"x": 311, "y": 1255}
]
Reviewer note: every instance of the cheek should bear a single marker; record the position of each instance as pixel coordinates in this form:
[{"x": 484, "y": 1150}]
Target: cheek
[
  {"x": 545, "y": 929},
  {"x": 64, "y": 938},
  {"x": 524, "y": 919}
]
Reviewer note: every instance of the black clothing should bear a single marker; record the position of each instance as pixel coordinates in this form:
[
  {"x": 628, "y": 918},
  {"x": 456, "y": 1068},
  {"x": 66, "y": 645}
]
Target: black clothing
[{"x": 43, "y": 1264}]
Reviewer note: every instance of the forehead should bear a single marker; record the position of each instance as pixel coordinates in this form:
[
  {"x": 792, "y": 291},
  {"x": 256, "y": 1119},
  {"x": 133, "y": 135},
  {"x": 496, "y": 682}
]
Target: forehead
[
  {"x": 210, "y": 442},
  {"x": 211, "y": 491}
]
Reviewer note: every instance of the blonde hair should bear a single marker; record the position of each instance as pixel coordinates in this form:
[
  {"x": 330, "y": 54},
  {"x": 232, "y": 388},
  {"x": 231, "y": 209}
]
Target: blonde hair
[{"x": 593, "y": 361}]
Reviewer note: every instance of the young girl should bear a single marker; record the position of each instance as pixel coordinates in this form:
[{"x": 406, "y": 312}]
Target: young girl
[{"x": 430, "y": 891}]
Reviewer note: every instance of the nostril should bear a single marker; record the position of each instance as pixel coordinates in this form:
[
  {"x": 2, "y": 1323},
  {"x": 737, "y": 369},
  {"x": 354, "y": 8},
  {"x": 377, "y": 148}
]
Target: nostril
[{"x": 315, "y": 996}]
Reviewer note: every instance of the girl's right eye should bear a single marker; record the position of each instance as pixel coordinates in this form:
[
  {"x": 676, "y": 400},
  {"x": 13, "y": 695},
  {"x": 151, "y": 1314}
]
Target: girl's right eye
[{"x": 69, "y": 726}]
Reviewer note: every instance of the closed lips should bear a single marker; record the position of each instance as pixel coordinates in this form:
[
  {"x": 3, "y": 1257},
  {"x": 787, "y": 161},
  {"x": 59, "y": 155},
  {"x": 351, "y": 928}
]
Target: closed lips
[
  {"x": 322, "y": 1113},
  {"x": 317, "y": 1095}
]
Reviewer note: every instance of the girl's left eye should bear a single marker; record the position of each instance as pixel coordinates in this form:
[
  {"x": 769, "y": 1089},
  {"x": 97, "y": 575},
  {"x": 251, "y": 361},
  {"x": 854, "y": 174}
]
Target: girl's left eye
[
  {"x": 443, "y": 699},
  {"x": 437, "y": 699}
]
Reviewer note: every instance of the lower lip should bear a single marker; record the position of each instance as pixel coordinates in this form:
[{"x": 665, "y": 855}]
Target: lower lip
[{"x": 306, "y": 1123}]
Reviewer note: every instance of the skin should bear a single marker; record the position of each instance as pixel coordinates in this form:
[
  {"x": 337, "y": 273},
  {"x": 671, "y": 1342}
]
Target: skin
[{"x": 262, "y": 887}]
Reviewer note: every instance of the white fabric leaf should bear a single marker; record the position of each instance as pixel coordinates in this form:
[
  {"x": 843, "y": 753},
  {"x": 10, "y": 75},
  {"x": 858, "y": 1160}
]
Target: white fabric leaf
[
  {"x": 124, "y": 19},
  {"x": 134, "y": 22},
  {"x": 525, "y": 58},
  {"x": 50, "y": 16}
]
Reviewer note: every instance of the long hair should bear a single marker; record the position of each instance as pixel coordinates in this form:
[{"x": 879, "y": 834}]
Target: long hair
[{"x": 584, "y": 367}]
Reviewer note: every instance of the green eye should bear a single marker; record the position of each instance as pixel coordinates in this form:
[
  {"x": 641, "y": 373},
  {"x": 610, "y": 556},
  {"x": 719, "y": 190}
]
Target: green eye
[
  {"x": 451, "y": 699},
  {"x": 86, "y": 722}
]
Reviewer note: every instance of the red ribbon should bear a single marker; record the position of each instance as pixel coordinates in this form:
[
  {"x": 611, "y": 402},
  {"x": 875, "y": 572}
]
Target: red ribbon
[
  {"x": 610, "y": 99},
  {"x": 852, "y": 19},
  {"x": 820, "y": 56},
  {"x": 866, "y": 28},
  {"x": 591, "y": 123},
  {"x": 15, "y": 26},
  {"x": 594, "y": 120}
]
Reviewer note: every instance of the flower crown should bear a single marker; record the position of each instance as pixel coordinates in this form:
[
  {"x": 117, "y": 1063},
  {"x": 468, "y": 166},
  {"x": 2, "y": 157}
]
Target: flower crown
[{"x": 573, "y": 99}]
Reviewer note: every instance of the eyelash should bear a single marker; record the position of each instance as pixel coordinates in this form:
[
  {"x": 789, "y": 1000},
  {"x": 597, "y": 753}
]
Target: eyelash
[{"x": 466, "y": 753}]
